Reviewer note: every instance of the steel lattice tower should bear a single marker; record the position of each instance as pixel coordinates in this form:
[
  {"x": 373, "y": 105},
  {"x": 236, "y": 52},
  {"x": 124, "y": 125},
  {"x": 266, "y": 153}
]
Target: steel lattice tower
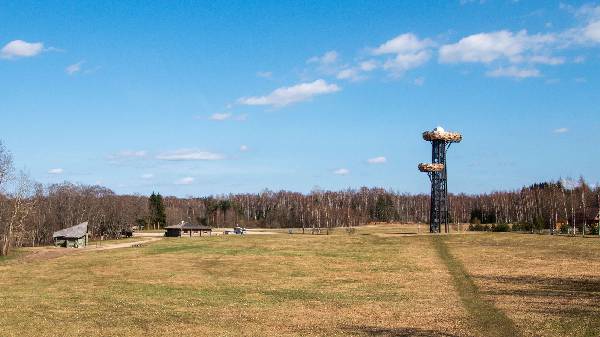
[{"x": 437, "y": 172}]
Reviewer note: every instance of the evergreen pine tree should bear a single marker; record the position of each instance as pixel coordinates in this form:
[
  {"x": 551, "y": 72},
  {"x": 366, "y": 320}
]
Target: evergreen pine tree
[{"x": 158, "y": 217}]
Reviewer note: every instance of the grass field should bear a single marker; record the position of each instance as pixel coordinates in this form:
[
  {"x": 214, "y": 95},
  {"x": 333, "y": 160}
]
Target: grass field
[{"x": 377, "y": 281}]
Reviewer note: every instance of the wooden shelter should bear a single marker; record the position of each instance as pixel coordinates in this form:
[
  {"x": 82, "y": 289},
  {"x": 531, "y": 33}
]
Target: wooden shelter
[
  {"x": 72, "y": 237},
  {"x": 185, "y": 228}
]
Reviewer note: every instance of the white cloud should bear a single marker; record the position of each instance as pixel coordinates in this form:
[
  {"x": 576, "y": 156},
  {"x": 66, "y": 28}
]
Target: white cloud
[
  {"x": 341, "y": 172},
  {"x": 244, "y": 148},
  {"x": 220, "y": 116},
  {"x": 74, "y": 68},
  {"x": 588, "y": 31},
  {"x": 20, "y": 48},
  {"x": 369, "y": 65},
  {"x": 224, "y": 116},
  {"x": 349, "y": 74},
  {"x": 56, "y": 171},
  {"x": 514, "y": 72},
  {"x": 419, "y": 81},
  {"x": 185, "y": 181},
  {"x": 357, "y": 73},
  {"x": 287, "y": 95},
  {"x": 587, "y": 12},
  {"x": 561, "y": 130},
  {"x": 189, "y": 154},
  {"x": 403, "y": 44},
  {"x": 403, "y": 62},
  {"x": 548, "y": 60},
  {"x": 328, "y": 58},
  {"x": 410, "y": 52},
  {"x": 377, "y": 160},
  {"x": 592, "y": 31},
  {"x": 147, "y": 176},
  {"x": 499, "y": 45}
]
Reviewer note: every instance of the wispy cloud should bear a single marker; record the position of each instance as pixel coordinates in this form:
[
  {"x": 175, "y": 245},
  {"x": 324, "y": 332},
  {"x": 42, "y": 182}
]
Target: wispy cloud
[
  {"x": 377, "y": 160},
  {"x": 19, "y": 49},
  {"x": 244, "y": 148},
  {"x": 264, "y": 74},
  {"x": 185, "y": 181},
  {"x": 561, "y": 130},
  {"x": 349, "y": 74},
  {"x": 56, "y": 171},
  {"x": 224, "y": 116},
  {"x": 465, "y": 2},
  {"x": 547, "y": 60},
  {"x": 74, "y": 68},
  {"x": 220, "y": 116},
  {"x": 129, "y": 154},
  {"x": 329, "y": 57},
  {"x": 189, "y": 155},
  {"x": 341, "y": 171},
  {"x": 147, "y": 176},
  {"x": 357, "y": 72},
  {"x": 514, "y": 72},
  {"x": 288, "y": 95},
  {"x": 403, "y": 44}
]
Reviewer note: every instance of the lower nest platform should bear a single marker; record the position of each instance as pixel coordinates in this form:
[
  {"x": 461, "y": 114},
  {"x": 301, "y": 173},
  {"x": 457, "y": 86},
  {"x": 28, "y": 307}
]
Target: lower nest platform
[
  {"x": 451, "y": 137},
  {"x": 431, "y": 167}
]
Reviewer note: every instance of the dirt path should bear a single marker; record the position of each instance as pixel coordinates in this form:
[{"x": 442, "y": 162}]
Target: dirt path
[
  {"x": 123, "y": 245},
  {"x": 47, "y": 253}
]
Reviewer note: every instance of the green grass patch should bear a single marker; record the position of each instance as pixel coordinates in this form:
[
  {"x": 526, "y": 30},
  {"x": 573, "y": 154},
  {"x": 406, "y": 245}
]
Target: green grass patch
[{"x": 490, "y": 320}]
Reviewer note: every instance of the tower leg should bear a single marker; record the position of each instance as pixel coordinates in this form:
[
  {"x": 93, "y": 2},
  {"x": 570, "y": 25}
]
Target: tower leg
[{"x": 439, "y": 190}]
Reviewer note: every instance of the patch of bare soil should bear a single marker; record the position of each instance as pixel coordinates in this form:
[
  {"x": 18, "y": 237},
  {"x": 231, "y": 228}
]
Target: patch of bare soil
[{"x": 47, "y": 253}]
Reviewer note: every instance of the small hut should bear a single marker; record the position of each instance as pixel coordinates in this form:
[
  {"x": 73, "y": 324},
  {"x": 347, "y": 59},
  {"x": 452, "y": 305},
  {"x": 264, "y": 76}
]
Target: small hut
[
  {"x": 185, "y": 228},
  {"x": 75, "y": 237}
]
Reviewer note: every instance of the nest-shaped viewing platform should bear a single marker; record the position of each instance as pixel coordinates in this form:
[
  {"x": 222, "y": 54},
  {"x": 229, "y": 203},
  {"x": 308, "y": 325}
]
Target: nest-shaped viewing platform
[
  {"x": 431, "y": 167},
  {"x": 450, "y": 137}
]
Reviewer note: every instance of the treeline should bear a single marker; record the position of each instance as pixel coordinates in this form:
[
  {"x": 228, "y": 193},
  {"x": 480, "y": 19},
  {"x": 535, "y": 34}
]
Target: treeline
[
  {"x": 565, "y": 205},
  {"x": 30, "y": 212}
]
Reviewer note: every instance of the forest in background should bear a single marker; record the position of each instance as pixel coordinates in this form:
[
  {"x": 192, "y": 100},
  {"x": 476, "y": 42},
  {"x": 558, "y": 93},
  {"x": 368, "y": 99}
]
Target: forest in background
[{"x": 30, "y": 212}]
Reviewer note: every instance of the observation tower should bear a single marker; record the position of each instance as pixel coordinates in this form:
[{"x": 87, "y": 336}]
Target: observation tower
[{"x": 436, "y": 170}]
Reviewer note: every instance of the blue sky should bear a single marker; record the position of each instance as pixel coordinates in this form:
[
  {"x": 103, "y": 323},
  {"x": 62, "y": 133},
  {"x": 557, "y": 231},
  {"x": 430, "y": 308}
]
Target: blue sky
[{"x": 200, "y": 98}]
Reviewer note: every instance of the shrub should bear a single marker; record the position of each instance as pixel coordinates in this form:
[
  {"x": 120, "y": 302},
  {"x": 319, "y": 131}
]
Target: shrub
[
  {"x": 477, "y": 227},
  {"x": 501, "y": 228},
  {"x": 521, "y": 227}
]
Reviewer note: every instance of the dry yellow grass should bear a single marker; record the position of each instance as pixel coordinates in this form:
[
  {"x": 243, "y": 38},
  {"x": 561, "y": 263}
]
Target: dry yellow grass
[
  {"x": 547, "y": 285},
  {"x": 378, "y": 281},
  {"x": 229, "y": 285}
]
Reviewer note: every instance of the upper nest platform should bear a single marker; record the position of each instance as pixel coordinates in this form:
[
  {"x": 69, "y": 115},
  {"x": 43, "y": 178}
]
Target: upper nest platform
[
  {"x": 431, "y": 167},
  {"x": 440, "y": 134}
]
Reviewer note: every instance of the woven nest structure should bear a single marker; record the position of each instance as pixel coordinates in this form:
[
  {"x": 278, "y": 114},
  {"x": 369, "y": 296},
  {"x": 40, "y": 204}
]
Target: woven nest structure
[
  {"x": 450, "y": 137},
  {"x": 423, "y": 167}
]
